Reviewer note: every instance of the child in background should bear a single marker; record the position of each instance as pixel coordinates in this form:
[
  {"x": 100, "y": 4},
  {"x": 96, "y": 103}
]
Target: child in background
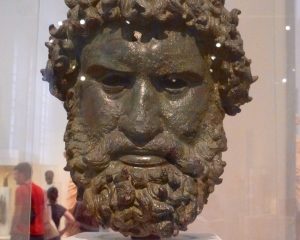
[{"x": 57, "y": 211}]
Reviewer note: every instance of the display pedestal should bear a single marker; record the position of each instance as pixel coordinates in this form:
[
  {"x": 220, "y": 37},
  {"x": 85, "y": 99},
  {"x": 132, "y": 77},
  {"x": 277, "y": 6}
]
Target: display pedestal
[{"x": 118, "y": 236}]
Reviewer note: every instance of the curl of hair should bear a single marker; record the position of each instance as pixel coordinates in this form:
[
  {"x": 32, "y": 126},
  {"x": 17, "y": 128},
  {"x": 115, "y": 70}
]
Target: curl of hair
[{"x": 208, "y": 20}]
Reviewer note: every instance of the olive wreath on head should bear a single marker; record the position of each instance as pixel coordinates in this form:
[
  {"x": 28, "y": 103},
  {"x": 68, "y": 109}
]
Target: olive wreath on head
[{"x": 207, "y": 19}]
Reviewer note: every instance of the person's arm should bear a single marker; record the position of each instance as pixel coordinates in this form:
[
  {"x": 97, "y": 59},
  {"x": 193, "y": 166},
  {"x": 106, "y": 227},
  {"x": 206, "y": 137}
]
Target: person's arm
[
  {"x": 69, "y": 223},
  {"x": 22, "y": 201},
  {"x": 71, "y": 196},
  {"x": 16, "y": 220}
]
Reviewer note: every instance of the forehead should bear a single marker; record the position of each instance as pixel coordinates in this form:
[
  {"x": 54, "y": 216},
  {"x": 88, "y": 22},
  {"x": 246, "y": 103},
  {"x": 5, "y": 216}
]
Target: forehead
[{"x": 177, "y": 51}]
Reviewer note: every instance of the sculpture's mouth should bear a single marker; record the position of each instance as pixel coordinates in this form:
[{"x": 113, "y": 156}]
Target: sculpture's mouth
[{"x": 142, "y": 158}]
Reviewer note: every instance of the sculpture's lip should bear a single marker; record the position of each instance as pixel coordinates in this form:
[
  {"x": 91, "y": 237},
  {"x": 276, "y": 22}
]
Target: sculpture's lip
[
  {"x": 142, "y": 159},
  {"x": 97, "y": 164}
]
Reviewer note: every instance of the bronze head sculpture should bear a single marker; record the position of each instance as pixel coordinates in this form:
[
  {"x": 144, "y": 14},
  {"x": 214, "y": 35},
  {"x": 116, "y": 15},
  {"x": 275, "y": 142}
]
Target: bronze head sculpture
[{"x": 146, "y": 85}]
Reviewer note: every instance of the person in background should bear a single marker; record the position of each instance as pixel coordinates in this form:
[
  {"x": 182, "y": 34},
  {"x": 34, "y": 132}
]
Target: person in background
[
  {"x": 27, "y": 221},
  {"x": 57, "y": 211},
  {"x": 84, "y": 222},
  {"x": 49, "y": 175}
]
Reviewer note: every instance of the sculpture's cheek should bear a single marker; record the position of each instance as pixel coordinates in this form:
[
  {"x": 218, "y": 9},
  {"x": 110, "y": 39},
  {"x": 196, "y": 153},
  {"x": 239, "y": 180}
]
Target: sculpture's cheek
[
  {"x": 183, "y": 117},
  {"x": 100, "y": 113}
]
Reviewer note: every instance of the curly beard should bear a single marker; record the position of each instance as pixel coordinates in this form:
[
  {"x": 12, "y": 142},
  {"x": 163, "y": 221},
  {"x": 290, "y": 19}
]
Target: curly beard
[{"x": 145, "y": 200}]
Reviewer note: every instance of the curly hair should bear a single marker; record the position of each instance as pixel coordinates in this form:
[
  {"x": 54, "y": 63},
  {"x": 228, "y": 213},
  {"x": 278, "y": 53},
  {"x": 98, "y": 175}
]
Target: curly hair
[
  {"x": 52, "y": 194},
  {"x": 207, "y": 20}
]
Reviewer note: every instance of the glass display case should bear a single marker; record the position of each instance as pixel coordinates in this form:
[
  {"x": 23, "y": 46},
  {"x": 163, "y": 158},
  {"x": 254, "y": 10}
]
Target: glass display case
[{"x": 258, "y": 198}]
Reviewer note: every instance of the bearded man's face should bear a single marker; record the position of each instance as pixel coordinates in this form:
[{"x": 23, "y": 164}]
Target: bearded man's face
[{"x": 145, "y": 135}]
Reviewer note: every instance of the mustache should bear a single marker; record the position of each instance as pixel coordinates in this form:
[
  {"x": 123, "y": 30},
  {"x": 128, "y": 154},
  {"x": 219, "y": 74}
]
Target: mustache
[{"x": 115, "y": 144}]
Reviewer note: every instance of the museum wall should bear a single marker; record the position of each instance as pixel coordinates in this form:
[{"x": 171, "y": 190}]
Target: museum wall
[
  {"x": 253, "y": 196},
  {"x": 297, "y": 57},
  {"x": 256, "y": 199}
]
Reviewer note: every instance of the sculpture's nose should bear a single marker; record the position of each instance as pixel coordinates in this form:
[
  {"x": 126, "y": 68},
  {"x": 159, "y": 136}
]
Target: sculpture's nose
[{"x": 141, "y": 123}]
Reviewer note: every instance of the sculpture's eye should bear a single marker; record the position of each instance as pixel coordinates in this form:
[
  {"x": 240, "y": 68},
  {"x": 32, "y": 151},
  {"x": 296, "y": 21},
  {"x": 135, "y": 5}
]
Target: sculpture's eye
[
  {"x": 173, "y": 85},
  {"x": 113, "y": 84}
]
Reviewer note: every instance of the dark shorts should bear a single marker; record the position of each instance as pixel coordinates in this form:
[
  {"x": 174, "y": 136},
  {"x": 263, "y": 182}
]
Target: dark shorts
[
  {"x": 55, "y": 238},
  {"x": 36, "y": 237}
]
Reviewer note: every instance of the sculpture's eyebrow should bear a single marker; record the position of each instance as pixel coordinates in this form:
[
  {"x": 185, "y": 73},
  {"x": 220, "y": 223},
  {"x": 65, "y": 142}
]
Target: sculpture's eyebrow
[
  {"x": 185, "y": 75},
  {"x": 96, "y": 71},
  {"x": 104, "y": 63}
]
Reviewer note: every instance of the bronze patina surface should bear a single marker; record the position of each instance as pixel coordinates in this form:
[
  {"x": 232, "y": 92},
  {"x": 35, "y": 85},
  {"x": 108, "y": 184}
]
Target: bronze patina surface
[{"x": 146, "y": 85}]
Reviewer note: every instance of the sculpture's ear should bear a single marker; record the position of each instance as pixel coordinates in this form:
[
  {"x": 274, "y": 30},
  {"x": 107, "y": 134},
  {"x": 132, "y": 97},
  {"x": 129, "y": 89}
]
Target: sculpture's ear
[
  {"x": 235, "y": 96},
  {"x": 61, "y": 70},
  {"x": 234, "y": 80},
  {"x": 59, "y": 76}
]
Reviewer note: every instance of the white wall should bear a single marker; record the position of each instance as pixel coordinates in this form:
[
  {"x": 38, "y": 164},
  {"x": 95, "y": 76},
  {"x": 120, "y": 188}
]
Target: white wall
[
  {"x": 252, "y": 202},
  {"x": 297, "y": 50},
  {"x": 32, "y": 122}
]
